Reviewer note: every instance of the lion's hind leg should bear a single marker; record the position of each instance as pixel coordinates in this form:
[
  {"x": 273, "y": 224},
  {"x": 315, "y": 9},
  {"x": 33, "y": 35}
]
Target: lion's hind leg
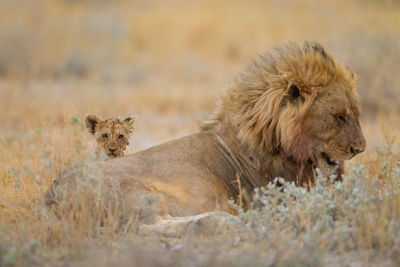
[{"x": 205, "y": 223}]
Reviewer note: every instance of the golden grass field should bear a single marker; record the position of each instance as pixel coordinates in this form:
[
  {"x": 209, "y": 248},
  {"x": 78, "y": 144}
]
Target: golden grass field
[{"x": 168, "y": 62}]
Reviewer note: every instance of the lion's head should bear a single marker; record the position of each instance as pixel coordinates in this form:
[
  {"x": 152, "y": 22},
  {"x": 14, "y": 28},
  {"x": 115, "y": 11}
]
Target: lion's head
[
  {"x": 297, "y": 102},
  {"x": 112, "y": 135}
]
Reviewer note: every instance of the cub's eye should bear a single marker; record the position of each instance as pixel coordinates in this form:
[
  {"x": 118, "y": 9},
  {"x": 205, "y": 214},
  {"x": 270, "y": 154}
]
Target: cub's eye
[
  {"x": 341, "y": 118},
  {"x": 120, "y": 136},
  {"x": 105, "y": 136}
]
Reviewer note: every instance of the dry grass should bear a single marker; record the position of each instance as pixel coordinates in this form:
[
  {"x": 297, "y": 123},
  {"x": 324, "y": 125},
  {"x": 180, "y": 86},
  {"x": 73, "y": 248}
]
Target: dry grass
[{"x": 169, "y": 62}]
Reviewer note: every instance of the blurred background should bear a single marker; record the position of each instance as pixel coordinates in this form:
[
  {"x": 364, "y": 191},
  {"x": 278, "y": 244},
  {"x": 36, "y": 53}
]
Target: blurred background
[
  {"x": 62, "y": 58},
  {"x": 168, "y": 62}
]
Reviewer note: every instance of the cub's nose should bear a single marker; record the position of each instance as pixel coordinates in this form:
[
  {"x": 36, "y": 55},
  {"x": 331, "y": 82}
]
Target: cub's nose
[{"x": 112, "y": 150}]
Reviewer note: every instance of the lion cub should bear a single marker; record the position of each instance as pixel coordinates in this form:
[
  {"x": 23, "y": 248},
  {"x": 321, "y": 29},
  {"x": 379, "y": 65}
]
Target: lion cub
[{"x": 112, "y": 135}]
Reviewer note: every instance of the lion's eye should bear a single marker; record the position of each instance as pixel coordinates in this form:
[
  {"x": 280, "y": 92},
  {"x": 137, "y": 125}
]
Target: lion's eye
[
  {"x": 105, "y": 136},
  {"x": 341, "y": 118},
  {"x": 120, "y": 136}
]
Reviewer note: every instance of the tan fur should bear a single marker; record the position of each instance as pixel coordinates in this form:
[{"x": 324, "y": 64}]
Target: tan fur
[
  {"x": 293, "y": 110},
  {"x": 112, "y": 135}
]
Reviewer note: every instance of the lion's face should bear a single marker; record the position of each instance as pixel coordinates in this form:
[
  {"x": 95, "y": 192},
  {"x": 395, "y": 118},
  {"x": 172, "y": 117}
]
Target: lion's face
[
  {"x": 332, "y": 127},
  {"x": 296, "y": 104},
  {"x": 112, "y": 135}
]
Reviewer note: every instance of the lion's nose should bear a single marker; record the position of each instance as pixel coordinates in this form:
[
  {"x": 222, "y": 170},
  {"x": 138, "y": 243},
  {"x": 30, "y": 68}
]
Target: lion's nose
[
  {"x": 355, "y": 151},
  {"x": 112, "y": 150},
  {"x": 358, "y": 147}
]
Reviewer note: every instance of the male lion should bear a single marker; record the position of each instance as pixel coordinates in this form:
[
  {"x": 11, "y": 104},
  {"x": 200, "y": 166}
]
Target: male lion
[
  {"x": 112, "y": 135},
  {"x": 291, "y": 111}
]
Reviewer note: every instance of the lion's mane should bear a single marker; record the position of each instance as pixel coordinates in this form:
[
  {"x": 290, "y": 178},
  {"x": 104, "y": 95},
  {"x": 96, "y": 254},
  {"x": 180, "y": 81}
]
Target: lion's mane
[{"x": 256, "y": 104}]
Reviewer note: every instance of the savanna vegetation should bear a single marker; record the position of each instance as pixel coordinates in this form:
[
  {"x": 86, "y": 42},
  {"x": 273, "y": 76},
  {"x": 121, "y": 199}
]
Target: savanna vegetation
[{"x": 168, "y": 62}]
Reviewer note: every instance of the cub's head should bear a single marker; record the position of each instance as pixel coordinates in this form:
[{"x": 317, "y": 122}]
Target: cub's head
[{"x": 112, "y": 135}]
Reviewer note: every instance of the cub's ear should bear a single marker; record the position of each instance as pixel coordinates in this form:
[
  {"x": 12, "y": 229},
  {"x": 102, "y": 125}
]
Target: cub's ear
[
  {"x": 294, "y": 93},
  {"x": 91, "y": 121},
  {"x": 129, "y": 122}
]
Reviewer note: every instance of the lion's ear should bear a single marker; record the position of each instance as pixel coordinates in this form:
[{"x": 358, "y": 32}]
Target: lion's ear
[
  {"x": 129, "y": 122},
  {"x": 91, "y": 121},
  {"x": 294, "y": 93}
]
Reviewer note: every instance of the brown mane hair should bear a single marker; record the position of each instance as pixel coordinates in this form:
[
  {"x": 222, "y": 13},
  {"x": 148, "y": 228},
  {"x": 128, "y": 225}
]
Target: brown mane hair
[{"x": 257, "y": 105}]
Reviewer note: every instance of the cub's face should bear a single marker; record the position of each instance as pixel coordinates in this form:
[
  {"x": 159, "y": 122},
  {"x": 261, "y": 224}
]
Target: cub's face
[{"x": 112, "y": 135}]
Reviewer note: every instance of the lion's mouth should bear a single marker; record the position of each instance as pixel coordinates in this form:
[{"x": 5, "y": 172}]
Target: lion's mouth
[
  {"x": 325, "y": 164},
  {"x": 328, "y": 160},
  {"x": 112, "y": 155}
]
